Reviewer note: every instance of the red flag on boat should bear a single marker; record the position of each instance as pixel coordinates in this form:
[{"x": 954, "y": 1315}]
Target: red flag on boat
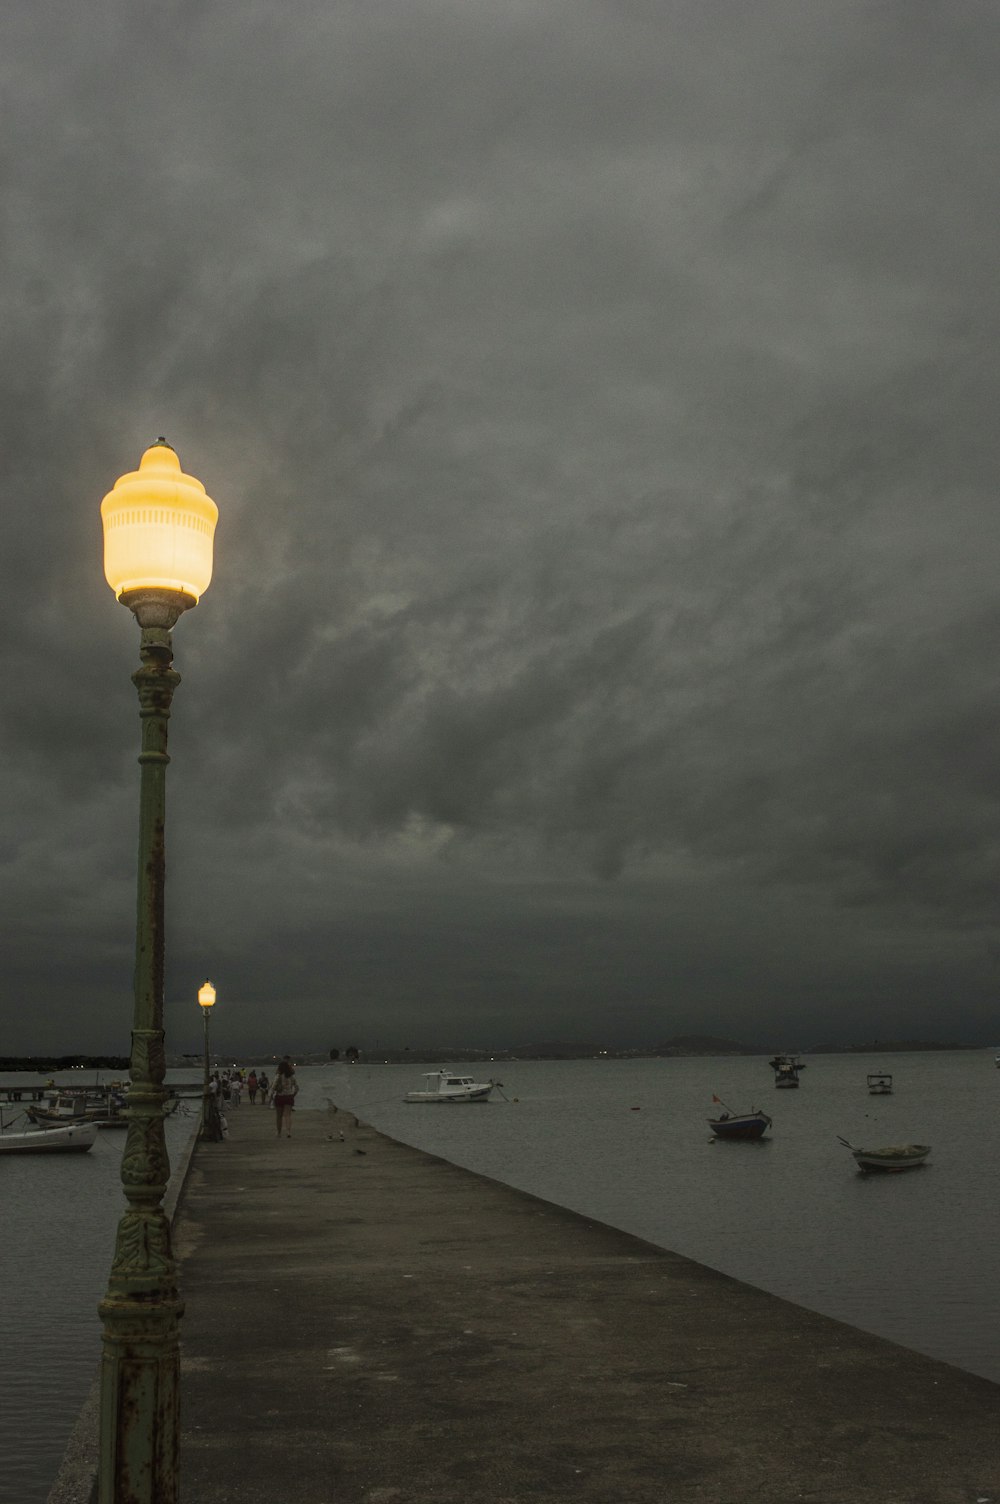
[{"x": 716, "y": 1099}]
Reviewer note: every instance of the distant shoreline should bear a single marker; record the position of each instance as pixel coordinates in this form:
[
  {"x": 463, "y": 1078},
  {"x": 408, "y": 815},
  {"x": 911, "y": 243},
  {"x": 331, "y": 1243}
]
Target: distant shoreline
[
  {"x": 687, "y": 1047},
  {"x": 43, "y": 1063},
  {"x": 674, "y": 1049}
]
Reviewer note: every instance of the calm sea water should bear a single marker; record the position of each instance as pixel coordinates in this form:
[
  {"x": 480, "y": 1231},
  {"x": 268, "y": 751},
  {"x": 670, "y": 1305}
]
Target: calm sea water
[
  {"x": 913, "y": 1257},
  {"x": 59, "y": 1218}
]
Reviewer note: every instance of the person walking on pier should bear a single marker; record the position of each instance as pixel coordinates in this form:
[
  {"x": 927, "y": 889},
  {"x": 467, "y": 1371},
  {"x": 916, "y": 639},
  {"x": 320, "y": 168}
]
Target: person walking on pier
[
  {"x": 263, "y": 1083},
  {"x": 252, "y": 1087},
  {"x": 285, "y": 1089}
]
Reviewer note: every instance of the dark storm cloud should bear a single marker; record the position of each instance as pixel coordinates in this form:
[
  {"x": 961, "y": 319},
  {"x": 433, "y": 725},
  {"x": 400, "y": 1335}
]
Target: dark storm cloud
[{"x": 598, "y": 399}]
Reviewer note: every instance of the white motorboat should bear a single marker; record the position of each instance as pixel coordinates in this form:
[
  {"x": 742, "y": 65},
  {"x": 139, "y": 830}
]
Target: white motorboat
[
  {"x": 890, "y": 1158},
  {"x": 445, "y": 1086},
  {"x": 76, "y": 1138}
]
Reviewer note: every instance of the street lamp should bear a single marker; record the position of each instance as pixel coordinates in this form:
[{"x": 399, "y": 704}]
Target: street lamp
[
  {"x": 210, "y": 1127},
  {"x": 159, "y": 527}
]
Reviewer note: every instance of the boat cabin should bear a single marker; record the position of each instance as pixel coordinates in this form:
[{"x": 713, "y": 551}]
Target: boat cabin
[
  {"x": 880, "y": 1084},
  {"x": 68, "y": 1105}
]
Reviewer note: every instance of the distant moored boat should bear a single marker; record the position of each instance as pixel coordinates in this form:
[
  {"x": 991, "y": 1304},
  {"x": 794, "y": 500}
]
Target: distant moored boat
[
  {"x": 890, "y": 1158},
  {"x": 786, "y": 1070},
  {"x": 752, "y": 1124},
  {"x": 445, "y": 1086}
]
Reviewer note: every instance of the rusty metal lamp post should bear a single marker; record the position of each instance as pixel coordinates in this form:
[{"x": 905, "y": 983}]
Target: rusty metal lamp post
[{"x": 159, "y": 527}]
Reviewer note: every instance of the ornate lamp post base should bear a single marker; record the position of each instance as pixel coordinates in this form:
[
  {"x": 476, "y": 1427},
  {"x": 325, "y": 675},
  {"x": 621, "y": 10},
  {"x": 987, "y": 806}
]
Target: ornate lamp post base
[{"x": 140, "y": 1380}]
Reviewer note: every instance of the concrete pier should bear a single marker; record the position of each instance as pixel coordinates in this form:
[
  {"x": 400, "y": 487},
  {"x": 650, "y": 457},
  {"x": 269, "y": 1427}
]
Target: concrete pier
[{"x": 367, "y": 1324}]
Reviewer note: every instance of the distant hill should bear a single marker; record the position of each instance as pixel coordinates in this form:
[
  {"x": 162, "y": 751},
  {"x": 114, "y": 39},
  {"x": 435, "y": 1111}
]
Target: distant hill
[
  {"x": 703, "y": 1044},
  {"x": 889, "y": 1046}
]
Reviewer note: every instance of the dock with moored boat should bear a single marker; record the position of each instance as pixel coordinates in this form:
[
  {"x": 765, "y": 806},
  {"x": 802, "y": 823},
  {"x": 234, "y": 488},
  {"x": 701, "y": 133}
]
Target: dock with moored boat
[{"x": 37, "y": 1093}]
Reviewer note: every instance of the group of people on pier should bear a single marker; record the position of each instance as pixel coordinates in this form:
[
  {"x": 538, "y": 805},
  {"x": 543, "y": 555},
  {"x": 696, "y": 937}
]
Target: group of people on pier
[{"x": 228, "y": 1086}]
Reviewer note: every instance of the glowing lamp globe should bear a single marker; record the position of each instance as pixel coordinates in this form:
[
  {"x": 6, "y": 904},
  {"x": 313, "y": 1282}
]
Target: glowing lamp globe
[
  {"x": 206, "y": 995},
  {"x": 159, "y": 526}
]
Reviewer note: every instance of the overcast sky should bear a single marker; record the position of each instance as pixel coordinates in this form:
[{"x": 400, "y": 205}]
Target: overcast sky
[{"x": 600, "y": 399}]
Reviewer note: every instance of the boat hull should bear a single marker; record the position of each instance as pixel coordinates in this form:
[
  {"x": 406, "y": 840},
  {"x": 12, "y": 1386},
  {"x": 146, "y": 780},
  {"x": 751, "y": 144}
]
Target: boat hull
[
  {"x": 752, "y": 1125},
  {"x": 48, "y": 1118},
  {"x": 481, "y": 1094},
  {"x": 75, "y": 1140},
  {"x": 892, "y": 1159}
]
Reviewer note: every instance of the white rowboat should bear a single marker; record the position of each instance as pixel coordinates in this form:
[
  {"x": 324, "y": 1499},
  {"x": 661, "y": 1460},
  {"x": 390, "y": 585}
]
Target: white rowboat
[
  {"x": 890, "y": 1158},
  {"x": 77, "y": 1138}
]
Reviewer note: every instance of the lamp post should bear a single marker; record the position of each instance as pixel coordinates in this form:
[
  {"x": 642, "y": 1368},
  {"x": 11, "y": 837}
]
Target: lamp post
[
  {"x": 210, "y": 1127},
  {"x": 159, "y": 527}
]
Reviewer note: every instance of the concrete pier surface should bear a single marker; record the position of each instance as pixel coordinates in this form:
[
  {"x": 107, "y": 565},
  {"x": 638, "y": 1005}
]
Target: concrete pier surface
[{"x": 367, "y": 1324}]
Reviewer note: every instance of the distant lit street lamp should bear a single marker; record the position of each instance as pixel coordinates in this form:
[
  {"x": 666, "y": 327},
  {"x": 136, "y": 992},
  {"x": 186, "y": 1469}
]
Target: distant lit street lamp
[
  {"x": 159, "y": 527},
  {"x": 210, "y": 1126}
]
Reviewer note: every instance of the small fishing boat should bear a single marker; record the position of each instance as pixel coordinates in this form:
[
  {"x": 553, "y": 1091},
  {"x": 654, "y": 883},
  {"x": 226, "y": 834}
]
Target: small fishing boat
[
  {"x": 445, "y": 1086},
  {"x": 105, "y": 1108},
  {"x": 786, "y": 1070},
  {"x": 879, "y": 1084},
  {"x": 752, "y": 1124},
  {"x": 76, "y": 1138},
  {"x": 890, "y": 1158}
]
